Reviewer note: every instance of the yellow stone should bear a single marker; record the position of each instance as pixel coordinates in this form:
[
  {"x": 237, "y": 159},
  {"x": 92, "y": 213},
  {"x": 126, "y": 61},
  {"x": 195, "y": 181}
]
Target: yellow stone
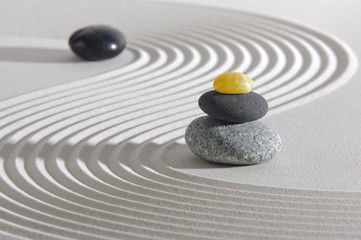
[{"x": 233, "y": 83}]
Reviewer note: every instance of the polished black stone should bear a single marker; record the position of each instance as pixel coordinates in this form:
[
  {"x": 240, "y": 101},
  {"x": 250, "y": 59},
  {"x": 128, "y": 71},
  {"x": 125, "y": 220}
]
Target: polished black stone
[
  {"x": 96, "y": 43},
  {"x": 233, "y": 108}
]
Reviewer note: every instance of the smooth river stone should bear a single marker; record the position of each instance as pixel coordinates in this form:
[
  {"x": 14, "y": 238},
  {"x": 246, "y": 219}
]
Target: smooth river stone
[
  {"x": 233, "y": 83},
  {"x": 244, "y": 144},
  {"x": 233, "y": 108},
  {"x": 96, "y": 43}
]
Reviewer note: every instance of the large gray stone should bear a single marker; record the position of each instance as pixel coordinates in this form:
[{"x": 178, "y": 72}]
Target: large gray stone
[{"x": 245, "y": 144}]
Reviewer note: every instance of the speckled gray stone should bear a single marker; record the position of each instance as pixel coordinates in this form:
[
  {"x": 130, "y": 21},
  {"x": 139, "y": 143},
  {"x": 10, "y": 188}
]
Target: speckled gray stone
[{"x": 243, "y": 144}]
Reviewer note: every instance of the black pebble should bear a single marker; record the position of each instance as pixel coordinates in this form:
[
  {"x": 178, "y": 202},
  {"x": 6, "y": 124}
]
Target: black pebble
[
  {"x": 233, "y": 108},
  {"x": 96, "y": 43}
]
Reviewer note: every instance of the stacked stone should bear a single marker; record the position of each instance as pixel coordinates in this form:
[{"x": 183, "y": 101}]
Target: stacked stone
[{"x": 231, "y": 133}]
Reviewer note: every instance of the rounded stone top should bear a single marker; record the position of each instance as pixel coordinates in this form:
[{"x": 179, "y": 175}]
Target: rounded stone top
[{"x": 233, "y": 83}]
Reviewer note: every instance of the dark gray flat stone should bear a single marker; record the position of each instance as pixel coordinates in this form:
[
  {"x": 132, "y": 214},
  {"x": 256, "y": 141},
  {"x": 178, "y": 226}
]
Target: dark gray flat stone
[{"x": 233, "y": 108}]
